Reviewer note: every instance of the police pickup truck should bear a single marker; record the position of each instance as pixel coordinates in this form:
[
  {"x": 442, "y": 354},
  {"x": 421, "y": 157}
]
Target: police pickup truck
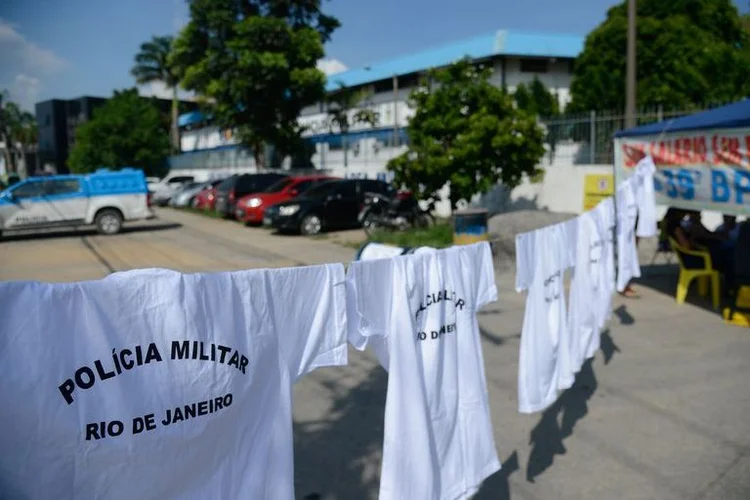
[{"x": 104, "y": 198}]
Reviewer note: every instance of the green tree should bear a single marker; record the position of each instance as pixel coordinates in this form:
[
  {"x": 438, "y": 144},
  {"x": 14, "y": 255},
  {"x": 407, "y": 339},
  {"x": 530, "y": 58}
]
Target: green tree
[
  {"x": 152, "y": 64},
  {"x": 537, "y": 99},
  {"x": 254, "y": 61},
  {"x": 689, "y": 53},
  {"x": 468, "y": 133},
  {"x": 18, "y": 133},
  {"x": 127, "y": 131},
  {"x": 347, "y": 107}
]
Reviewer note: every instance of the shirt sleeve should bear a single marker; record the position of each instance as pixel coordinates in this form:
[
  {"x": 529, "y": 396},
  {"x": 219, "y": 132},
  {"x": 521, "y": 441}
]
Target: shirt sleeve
[
  {"x": 485, "y": 270},
  {"x": 524, "y": 261},
  {"x": 369, "y": 294},
  {"x": 308, "y": 305}
]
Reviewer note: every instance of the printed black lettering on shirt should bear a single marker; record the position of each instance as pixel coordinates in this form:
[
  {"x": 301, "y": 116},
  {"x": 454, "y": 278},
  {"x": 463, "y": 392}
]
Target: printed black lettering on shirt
[
  {"x": 553, "y": 287},
  {"x": 438, "y": 297}
]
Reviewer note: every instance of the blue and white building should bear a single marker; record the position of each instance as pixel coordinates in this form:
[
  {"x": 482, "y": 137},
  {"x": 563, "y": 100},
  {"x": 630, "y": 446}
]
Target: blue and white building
[{"x": 515, "y": 57}]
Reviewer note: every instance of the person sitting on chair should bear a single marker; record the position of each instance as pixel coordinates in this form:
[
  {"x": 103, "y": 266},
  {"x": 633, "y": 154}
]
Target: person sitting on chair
[{"x": 686, "y": 228}]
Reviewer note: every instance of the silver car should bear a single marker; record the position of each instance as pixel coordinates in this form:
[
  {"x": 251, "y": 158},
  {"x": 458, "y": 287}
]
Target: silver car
[{"x": 184, "y": 197}]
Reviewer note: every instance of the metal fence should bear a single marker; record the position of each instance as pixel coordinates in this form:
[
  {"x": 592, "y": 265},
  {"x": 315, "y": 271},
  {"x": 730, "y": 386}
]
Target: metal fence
[{"x": 587, "y": 138}]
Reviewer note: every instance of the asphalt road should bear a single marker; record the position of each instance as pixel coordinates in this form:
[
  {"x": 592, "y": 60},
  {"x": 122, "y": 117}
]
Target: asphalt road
[
  {"x": 174, "y": 240},
  {"x": 662, "y": 412}
]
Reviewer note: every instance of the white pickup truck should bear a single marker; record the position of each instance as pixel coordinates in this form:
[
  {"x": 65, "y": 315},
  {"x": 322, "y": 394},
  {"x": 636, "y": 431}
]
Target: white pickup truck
[{"x": 104, "y": 198}]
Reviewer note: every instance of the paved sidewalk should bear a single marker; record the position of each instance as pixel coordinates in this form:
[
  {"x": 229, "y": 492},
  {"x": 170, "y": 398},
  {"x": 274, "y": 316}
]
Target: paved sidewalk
[{"x": 662, "y": 412}]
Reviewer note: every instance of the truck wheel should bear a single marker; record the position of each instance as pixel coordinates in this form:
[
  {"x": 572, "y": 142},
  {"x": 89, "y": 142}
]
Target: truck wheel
[{"x": 108, "y": 221}]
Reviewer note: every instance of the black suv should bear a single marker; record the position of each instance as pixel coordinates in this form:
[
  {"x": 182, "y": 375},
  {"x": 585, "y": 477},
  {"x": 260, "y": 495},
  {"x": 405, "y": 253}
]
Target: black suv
[
  {"x": 329, "y": 205},
  {"x": 235, "y": 187}
]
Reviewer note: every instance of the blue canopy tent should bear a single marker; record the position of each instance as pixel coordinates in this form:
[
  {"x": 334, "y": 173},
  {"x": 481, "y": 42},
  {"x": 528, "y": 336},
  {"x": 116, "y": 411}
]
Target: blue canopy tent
[
  {"x": 703, "y": 160},
  {"x": 735, "y": 115}
]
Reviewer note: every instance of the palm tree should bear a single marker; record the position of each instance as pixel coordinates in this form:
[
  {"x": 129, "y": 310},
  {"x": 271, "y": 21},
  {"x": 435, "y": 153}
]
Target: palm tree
[
  {"x": 17, "y": 128},
  {"x": 339, "y": 103},
  {"x": 152, "y": 65}
]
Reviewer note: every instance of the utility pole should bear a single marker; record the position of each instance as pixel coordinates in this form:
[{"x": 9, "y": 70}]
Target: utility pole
[{"x": 630, "y": 78}]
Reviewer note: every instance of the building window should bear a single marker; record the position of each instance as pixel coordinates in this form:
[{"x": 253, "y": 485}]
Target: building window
[
  {"x": 383, "y": 86},
  {"x": 534, "y": 65}
]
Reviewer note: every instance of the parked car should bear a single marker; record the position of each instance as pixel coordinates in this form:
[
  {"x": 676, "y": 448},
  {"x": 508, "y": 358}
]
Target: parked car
[
  {"x": 104, "y": 198},
  {"x": 185, "y": 196},
  {"x": 329, "y": 205},
  {"x": 206, "y": 199},
  {"x": 163, "y": 190},
  {"x": 235, "y": 187},
  {"x": 250, "y": 208}
]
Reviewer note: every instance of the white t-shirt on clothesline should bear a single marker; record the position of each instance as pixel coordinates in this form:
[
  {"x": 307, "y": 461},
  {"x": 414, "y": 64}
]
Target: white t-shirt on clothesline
[
  {"x": 627, "y": 252},
  {"x": 153, "y": 384},
  {"x": 604, "y": 215},
  {"x": 586, "y": 286},
  {"x": 542, "y": 257},
  {"x": 418, "y": 314},
  {"x": 645, "y": 198}
]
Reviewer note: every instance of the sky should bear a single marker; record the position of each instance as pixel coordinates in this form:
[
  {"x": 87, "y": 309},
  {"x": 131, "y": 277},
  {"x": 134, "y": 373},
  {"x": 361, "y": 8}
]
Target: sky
[{"x": 69, "y": 48}]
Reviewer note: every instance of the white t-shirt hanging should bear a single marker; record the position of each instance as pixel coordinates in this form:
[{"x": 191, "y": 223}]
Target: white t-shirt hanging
[
  {"x": 418, "y": 313},
  {"x": 542, "y": 257},
  {"x": 585, "y": 288},
  {"x": 604, "y": 215},
  {"x": 627, "y": 252},
  {"x": 645, "y": 198},
  {"x": 379, "y": 251},
  {"x": 153, "y": 384}
]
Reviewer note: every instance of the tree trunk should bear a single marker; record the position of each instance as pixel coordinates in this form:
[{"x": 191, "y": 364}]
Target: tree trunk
[
  {"x": 259, "y": 155},
  {"x": 175, "y": 129},
  {"x": 346, "y": 150},
  {"x": 8, "y": 156}
]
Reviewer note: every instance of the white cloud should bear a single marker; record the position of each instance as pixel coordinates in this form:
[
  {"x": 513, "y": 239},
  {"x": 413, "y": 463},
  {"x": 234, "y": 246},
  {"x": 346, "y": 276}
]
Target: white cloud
[
  {"x": 158, "y": 89},
  {"x": 25, "y": 91},
  {"x": 331, "y": 66},
  {"x": 26, "y": 56},
  {"x": 25, "y": 66}
]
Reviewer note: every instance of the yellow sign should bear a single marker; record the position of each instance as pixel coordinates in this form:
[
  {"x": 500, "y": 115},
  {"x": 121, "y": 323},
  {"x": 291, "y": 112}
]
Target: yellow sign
[{"x": 597, "y": 187}]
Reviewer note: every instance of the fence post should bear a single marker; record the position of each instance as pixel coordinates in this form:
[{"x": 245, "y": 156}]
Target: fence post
[{"x": 592, "y": 139}]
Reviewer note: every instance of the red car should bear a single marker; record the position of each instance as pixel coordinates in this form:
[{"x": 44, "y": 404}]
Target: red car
[
  {"x": 250, "y": 208},
  {"x": 206, "y": 199}
]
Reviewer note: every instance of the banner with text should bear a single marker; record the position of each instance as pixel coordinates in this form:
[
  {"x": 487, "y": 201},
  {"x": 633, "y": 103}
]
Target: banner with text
[{"x": 700, "y": 170}]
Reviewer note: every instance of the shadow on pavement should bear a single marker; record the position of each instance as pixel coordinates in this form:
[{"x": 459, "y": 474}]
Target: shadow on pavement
[
  {"x": 77, "y": 233},
  {"x": 339, "y": 457},
  {"x": 496, "y": 339},
  {"x": 608, "y": 346},
  {"x": 558, "y": 422},
  {"x": 623, "y": 315},
  {"x": 497, "y": 486},
  {"x": 666, "y": 284}
]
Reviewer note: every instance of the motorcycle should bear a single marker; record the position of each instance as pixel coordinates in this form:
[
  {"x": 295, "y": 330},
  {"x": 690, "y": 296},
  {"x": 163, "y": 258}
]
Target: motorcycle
[{"x": 398, "y": 213}]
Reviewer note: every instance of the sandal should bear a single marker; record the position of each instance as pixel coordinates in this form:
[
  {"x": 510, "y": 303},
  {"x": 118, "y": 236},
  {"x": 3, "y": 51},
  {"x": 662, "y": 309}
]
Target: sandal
[{"x": 630, "y": 293}]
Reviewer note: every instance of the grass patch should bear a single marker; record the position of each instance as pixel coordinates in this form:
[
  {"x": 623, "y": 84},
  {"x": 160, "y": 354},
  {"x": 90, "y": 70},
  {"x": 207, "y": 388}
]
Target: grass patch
[{"x": 439, "y": 236}]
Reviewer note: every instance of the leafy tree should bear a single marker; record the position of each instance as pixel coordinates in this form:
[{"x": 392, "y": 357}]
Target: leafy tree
[
  {"x": 127, "y": 130},
  {"x": 466, "y": 132},
  {"x": 689, "y": 53},
  {"x": 255, "y": 63},
  {"x": 152, "y": 65},
  {"x": 346, "y": 108},
  {"x": 537, "y": 99},
  {"x": 18, "y": 132}
]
